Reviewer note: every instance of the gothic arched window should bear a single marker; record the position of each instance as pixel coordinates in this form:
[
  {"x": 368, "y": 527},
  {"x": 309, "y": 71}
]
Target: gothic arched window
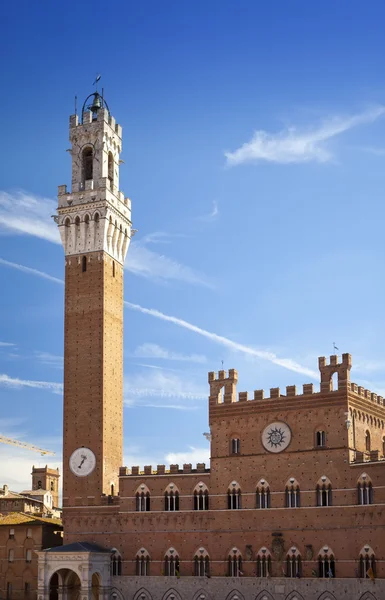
[
  {"x": 171, "y": 498},
  {"x": 293, "y": 563},
  {"x": 142, "y": 498},
  {"x": 142, "y": 563},
  {"x": 263, "y": 563},
  {"x": 234, "y": 496},
  {"x": 292, "y": 494},
  {"x": 263, "y": 494},
  {"x": 365, "y": 489},
  {"x": 234, "y": 563},
  {"x": 171, "y": 563},
  {"x": 88, "y": 160},
  {"x": 326, "y": 563},
  {"x": 320, "y": 438},
  {"x": 367, "y": 441},
  {"x": 201, "y": 497},
  {"x": 201, "y": 563},
  {"x": 367, "y": 563},
  {"x": 116, "y": 562},
  {"x": 324, "y": 492}
]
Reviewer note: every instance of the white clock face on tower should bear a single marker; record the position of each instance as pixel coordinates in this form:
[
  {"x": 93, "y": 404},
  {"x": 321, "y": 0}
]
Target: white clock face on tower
[
  {"x": 82, "y": 462},
  {"x": 276, "y": 437}
]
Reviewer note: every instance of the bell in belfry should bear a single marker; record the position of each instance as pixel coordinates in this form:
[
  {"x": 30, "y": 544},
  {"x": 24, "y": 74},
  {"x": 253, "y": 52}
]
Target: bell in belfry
[{"x": 96, "y": 104}]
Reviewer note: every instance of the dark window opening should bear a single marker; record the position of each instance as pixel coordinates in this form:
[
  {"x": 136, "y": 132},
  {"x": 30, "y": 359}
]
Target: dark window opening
[
  {"x": 321, "y": 438},
  {"x": 235, "y": 446},
  {"x": 84, "y": 264},
  {"x": 113, "y": 268},
  {"x": 87, "y": 164}
]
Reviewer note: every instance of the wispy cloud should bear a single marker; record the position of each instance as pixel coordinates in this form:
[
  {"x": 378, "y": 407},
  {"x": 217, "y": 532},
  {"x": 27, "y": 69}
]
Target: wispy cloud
[
  {"x": 212, "y": 215},
  {"x": 295, "y": 146},
  {"x": 193, "y": 456},
  {"x": 28, "y": 214},
  {"x": 149, "y": 350},
  {"x": 287, "y": 363},
  {"x": 15, "y": 382},
  {"x": 30, "y": 271},
  {"x": 6, "y": 344},
  {"x": 159, "y": 385},
  {"x": 52, "y": 360}
]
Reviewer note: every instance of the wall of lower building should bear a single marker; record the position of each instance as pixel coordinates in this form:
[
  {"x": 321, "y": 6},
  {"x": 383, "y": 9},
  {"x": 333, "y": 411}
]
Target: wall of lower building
[{"x": 245, "y": 588}]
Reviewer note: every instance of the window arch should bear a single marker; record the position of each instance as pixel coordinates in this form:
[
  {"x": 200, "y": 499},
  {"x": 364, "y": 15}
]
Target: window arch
[
  {"x": 292, "y": 494},
  {"x": 367, "y": 441},
  {"x": 142, "y": 563},
  {"x": 263, "y": 563},
  {"x": 171, "y": 498},
  {"x": 367, "y": 562},
  {"x": 171, "y": 563},
  {"x": 293, "y": 563},
  {"x": 365, "y": 489},
  {"x": 326, "y": 563},
  {"x": 201, "y": 497},
  {"x": 320, "y": 438},
  {"x": 324, "y": 492},
  {"x": 143, "y": 498},
  {"x": 201, "y": 563},
  {"x": 234, "y": 563},
  {"x": 263, "y": 494},
  {"x": 116, "y": 562},
  {"x": 87, "y": 163},
  {"x": 111, "y": 168},
  {"x": 234, "y": 496}
]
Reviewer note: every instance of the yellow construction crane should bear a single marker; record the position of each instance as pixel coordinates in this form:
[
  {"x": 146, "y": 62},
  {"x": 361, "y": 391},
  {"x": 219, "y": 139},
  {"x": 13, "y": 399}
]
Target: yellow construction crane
[{"x": 5, "y": 440}]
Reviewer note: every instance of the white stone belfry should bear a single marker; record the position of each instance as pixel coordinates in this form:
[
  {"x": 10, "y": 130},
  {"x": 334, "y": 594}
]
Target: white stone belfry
[{"x": 95, "y": 215}]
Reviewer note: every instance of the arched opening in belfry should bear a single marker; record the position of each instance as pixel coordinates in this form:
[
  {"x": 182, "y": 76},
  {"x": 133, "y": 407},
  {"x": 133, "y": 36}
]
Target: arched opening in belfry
[
  {"x": 111, "y": 168},
  {"x": 334, "y": 382},
  {"x": 88, "y": 161}
]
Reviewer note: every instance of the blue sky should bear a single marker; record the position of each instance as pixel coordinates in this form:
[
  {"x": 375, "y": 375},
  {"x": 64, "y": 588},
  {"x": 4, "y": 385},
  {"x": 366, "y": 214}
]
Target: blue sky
[{"x": 254, "y": 157}]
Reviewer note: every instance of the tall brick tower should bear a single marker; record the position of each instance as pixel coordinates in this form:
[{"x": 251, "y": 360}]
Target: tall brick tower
[{"x": 94, "y": 220}]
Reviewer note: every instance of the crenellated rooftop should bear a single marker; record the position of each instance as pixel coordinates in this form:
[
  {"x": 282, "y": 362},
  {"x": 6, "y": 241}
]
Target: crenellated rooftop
[{"x": 161, "y": 470}]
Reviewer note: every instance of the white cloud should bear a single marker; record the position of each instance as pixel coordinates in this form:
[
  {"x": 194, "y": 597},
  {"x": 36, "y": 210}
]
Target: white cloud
[
  {"x": 212, "y": 215},
  {"x": 7, "y": 344},
  {"x": 52, "y": 360},
  {"x": 162, "y": 385},
  {"x": 294, "y": 146},
  {"x": 287, "y": 363},
  {"x": 149, "y": 350},
  {"x": 193, "y": 456},
  {"x": 28, "y": 214},
  {"x": 15, "y": 382}
]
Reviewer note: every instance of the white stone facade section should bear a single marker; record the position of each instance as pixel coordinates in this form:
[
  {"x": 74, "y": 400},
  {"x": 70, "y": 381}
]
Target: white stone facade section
[{"x": 95, "y": 216}]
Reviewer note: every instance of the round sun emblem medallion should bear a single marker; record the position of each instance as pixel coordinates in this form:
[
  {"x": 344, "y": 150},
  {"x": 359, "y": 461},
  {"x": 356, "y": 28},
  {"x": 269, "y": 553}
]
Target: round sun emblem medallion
[{"x": 276, "y": 437}]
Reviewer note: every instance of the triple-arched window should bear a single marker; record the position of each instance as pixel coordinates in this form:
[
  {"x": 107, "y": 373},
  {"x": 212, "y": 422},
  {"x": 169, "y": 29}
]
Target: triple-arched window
[
  {"x": 201, "y": 497},
  {"x": 143, "y": 498},
  {"x": 367, "y": 564},
  {"x": 234, "y": 496},
  {"x": 171, "y": 563},
  {"x": 142, "y": 563},
  {"x": 326, "y": 563},
  {"x": 293, "y": 563},
  {"x": 234, "y": 563},
  {"x": 171, "y": 498},
  {"x": 292, "y": 494},
  {"x": 365, "y": 489},
  {"x": 324, "y": 492},
  {"x": 263, "y": 563},
  {"x": 116, "y": 562},
  {"x": 201, "y": 563},
  {"x": 263, "y": 494}
]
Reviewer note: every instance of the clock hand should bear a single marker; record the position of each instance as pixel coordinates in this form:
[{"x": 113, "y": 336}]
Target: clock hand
[{"x": 83, "y": 459}]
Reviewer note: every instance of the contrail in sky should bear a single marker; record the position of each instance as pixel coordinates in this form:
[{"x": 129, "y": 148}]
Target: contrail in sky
[{"x": 287, "y": 363}]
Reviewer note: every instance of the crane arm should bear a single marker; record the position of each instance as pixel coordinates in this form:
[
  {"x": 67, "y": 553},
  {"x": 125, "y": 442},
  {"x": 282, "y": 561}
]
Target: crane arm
[{"x": 12, "y": 442}]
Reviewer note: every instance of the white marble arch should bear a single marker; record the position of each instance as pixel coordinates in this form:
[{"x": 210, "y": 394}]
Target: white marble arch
[
  {"x": 235, "y": 595},
  {"x": 142, "y": 594},
  {"x": 171, "y": 595},
  {"x": 264, "y": 595}
]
